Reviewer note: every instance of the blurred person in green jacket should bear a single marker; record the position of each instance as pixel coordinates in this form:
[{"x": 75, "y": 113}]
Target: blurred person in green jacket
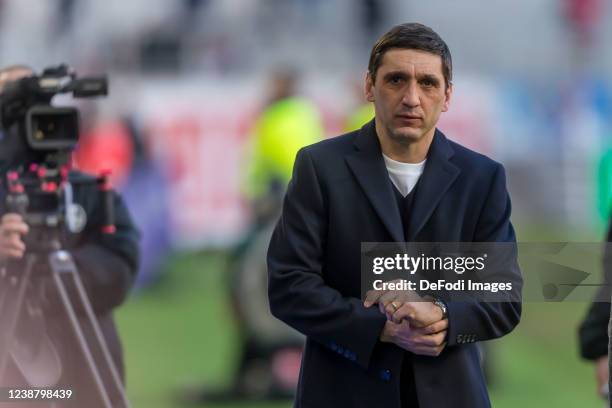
[
  {"x": 270, "y": 352},
  {"x": 362, "y": 112},
  {"x": 286, "y": 124}
]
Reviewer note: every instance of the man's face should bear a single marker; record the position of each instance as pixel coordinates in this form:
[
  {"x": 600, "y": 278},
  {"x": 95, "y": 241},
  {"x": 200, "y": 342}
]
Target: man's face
[{"x": 409, "y": 94}]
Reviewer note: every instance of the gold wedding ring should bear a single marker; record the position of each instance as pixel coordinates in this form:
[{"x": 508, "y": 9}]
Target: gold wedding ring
[{"x": 396, "y": 305}]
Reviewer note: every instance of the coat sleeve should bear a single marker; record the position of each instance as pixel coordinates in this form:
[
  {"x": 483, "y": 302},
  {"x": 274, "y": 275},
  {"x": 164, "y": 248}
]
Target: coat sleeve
[
  {"x": 592, "y": 333},
  {"x": 297, "y": 290},
  {"x": 476, "y": 320},
  {"x": 107, "y": 263}
]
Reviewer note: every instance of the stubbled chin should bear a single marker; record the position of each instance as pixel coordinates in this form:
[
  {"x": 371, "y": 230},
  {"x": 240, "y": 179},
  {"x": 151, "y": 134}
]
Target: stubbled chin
[
  {"x": 404, "y": 139},
  {"x": 408, "y": 133}
]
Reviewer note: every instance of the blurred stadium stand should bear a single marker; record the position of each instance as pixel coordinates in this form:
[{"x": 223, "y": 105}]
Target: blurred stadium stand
[{"x": 190, "y": 75}]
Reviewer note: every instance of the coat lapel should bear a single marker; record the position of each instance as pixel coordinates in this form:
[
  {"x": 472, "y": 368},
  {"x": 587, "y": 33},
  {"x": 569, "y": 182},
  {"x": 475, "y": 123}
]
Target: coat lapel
[
  {"x": 437, "y": 177},
  {"x": 368, "y": 166}
]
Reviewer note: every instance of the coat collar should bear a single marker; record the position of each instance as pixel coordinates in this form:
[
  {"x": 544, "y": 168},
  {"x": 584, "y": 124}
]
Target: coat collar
[{"x": 368, "y": 166}]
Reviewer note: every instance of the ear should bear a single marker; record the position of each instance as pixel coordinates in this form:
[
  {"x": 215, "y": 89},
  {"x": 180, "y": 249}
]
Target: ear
[
  {"x": 447, "y": 97},
  {"x": 369, "y": 85}
]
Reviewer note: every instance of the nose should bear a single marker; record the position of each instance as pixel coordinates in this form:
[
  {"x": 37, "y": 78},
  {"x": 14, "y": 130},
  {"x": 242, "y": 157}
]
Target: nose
[{"x": 411, "y": 95}]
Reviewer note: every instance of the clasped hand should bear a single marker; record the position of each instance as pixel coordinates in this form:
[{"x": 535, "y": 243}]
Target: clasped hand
[{"x": 413, "y": 323}]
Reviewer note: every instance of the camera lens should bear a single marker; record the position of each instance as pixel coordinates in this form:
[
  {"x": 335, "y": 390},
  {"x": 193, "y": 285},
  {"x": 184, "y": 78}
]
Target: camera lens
[{"x": 50, "y": 128}]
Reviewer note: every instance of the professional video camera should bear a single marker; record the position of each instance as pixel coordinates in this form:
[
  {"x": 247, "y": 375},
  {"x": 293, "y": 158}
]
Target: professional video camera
[
  {"x": 39, "y": 141},
  {"x": 35, "y": 147},
  {"x": 45, "y": 128}
]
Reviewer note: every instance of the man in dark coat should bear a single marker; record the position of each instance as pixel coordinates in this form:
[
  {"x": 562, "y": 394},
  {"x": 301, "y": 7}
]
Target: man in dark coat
[{"x": 396, "y": 179}]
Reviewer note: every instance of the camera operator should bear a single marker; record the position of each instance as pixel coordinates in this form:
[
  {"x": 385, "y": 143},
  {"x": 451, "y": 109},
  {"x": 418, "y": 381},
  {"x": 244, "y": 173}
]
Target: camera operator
[{"x": 107, "y": 264}]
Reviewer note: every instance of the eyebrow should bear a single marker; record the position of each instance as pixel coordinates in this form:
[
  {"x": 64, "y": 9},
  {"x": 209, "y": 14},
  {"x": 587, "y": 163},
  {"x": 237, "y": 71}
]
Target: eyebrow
[
  {"x": 402, "y": 74},
  {"x": 395, "y": 74},
  {"x": 434, "y": 79}
]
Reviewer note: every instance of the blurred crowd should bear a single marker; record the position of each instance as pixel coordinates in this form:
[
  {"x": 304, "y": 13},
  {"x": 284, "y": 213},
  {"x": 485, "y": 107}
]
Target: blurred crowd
[{"x": 188, "y": 79}]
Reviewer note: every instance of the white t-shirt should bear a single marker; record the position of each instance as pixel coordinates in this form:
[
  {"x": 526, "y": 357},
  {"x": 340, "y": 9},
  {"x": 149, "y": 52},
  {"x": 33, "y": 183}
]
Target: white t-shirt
[{"x": 404, "y": 176}]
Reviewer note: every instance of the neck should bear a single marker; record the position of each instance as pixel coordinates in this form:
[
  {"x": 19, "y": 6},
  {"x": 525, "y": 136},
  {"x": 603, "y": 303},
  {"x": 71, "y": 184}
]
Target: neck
[{"x": 408, "y": 151}]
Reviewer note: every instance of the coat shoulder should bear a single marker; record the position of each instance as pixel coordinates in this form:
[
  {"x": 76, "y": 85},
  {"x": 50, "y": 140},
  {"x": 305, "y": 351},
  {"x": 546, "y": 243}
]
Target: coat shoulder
[
  {"x": 333, "y": 146},
  {"x": 468, "y": 159}
]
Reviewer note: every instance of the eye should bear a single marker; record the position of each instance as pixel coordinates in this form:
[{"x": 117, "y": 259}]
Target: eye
[
  {"x": 396, "y": 79},
  {"x": 428, "y": 83}
]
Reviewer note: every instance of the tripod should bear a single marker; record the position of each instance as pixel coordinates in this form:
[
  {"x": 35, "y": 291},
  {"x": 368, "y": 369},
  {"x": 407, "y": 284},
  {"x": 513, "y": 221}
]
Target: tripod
[{"x": 47, "y": 275}]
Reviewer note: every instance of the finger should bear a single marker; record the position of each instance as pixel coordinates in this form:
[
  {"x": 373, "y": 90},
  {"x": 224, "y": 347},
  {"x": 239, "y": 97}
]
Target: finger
[
  {"x": 10, "y": 217},
  {"x": 408, "y": 296},
  {"x": 437, "y": 327},
  {"x": 418, "y": 316},
  {"x": 435, "y": 351},
  {"x": 14, "y": 227},
  {"x": 406, "y": 311},
  {"x": 440, "y": 348},
  {"x": 372, "y": 297},
  {"x": 11, "y": 253},
  {"x": 390, "y": 305},
  {"x": 399, "y": 314},
  {"x": 389, "y": 296},
  {"x": 17, "y": 244},
  {"x": 381, "y": 308},
  {"x": 439, "y": 338},
  {"x": 375, "y": 296},
  {"x": 12, "y": 246},
  {"x": 403, "y": 332},
  {"x": 389, "y": 308},
  {"x": 11, "y": 239},
  {"x": 413, "y": 296},
  {"x": 432, "y": 340}
]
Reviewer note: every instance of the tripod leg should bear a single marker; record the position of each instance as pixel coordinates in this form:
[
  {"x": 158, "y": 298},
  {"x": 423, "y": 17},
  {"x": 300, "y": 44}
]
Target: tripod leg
[
  {"x": 14, "y": 284},
  {"x": 66, "y": 266},
  {"x": 61, "y": 263}
]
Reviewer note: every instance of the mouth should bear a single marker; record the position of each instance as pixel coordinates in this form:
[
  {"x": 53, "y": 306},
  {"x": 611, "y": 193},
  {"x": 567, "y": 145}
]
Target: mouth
[{"x": 409, "y": 118}]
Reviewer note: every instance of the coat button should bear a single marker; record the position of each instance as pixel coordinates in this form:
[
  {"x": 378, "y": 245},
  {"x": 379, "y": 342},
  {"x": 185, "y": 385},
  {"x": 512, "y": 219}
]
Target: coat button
[{"x": 385, "y": 375}]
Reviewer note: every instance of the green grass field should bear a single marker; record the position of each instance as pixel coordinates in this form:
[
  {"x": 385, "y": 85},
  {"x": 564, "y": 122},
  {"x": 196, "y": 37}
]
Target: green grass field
[{"x": 182, "y": 332}]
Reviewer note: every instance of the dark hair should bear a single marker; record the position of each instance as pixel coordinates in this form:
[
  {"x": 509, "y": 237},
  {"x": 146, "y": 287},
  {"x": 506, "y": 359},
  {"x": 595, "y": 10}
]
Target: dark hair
[{"x": 412, "y": 36}]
